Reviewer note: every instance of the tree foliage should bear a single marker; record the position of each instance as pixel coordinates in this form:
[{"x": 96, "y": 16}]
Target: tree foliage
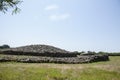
[
  {"x": 7, "y": 4},
  {"x": 4, "y": 46}
]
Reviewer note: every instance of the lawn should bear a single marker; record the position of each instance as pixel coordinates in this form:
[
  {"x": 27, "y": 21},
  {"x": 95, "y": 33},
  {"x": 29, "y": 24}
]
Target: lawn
[{"x": 109, "y": 70}]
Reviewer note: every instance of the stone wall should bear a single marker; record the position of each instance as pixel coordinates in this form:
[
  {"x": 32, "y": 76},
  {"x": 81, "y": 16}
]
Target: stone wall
[
  {"x": 47, "y": 54},
  {"x": 69, "y": 60}
]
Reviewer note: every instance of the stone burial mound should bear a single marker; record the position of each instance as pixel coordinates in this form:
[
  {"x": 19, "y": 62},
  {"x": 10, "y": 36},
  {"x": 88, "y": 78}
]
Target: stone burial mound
[{"x": 48, "y": 54}]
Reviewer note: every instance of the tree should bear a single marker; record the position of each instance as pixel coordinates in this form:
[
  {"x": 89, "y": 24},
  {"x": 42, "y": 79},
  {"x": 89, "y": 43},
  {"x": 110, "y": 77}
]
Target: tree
[
  {"x": 7, "y": 4},
  {"x": 91, "y": 52},
  {"x": 4, "y": 46}
]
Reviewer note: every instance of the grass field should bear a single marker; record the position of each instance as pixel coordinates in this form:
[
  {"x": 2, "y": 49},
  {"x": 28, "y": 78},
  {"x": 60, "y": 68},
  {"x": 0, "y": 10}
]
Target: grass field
[{"x": 109, "y": 70}]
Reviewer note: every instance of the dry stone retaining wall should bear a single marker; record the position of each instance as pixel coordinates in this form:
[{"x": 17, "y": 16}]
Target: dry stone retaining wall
[
  {"x": 47, "y": 54},
  {"x": 70, "y": 60}
]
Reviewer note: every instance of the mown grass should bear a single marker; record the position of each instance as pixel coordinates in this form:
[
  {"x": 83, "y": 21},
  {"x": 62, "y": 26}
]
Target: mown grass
[{"x": 109, "y": 70}]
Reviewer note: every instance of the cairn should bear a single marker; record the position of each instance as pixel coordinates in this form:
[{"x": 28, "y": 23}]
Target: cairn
[{"x": 50, "y": 54}]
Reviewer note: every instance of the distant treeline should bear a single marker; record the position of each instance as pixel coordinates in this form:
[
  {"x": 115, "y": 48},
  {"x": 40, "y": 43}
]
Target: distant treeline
[
  {"x": 111, "y": 53},
  {"x": 93, "y": 52}
]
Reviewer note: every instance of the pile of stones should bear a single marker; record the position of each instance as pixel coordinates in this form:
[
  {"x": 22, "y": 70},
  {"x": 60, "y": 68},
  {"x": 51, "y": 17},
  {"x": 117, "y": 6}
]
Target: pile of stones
[
  {"x": 39, "y": 49},
  {"x": 49, "y": 54}
]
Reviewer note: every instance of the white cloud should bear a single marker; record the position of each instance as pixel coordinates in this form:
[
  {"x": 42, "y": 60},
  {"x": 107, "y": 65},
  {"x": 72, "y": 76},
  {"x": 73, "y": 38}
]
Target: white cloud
[
  {"x": 52, "y": 7},
  {"x": 59, "y": 17}
]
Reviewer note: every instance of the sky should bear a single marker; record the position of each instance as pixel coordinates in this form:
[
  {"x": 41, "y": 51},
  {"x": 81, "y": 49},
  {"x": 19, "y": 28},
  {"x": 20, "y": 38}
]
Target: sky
[{"x": 73, "y": 25}]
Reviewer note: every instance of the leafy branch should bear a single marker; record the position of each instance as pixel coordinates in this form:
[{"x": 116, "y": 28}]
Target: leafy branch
[{"x": 6, "y": 4}]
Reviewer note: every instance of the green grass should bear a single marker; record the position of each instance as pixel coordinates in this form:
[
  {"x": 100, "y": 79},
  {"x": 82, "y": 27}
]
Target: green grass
[{"x": 109, "y": 70}]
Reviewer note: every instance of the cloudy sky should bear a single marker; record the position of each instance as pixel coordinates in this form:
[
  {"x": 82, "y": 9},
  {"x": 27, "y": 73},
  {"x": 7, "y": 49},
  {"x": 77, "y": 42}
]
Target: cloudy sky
[{"x": 74, "y": 25}]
